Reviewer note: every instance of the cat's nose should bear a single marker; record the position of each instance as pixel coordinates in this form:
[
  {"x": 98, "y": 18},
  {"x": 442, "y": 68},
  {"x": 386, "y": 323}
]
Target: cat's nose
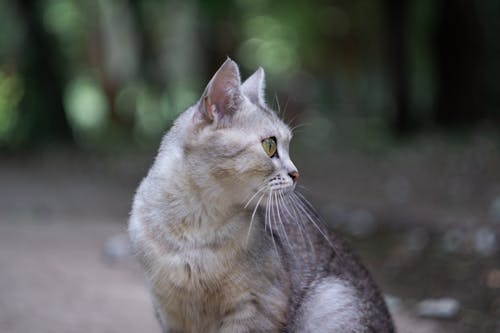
[{"x": 294, "y": 175}]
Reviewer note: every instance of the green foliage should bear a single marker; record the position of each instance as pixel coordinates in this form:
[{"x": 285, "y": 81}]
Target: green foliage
[
  {"x": 127, "y": 68},
  {"x": 11, "y": 92}
]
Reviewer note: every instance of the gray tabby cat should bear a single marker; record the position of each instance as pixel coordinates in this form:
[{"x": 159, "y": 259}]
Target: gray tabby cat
[{"x": 226, "y": 243}]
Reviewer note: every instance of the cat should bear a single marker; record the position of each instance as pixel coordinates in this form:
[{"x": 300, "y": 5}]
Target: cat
[{"x": 226, "y": 243}]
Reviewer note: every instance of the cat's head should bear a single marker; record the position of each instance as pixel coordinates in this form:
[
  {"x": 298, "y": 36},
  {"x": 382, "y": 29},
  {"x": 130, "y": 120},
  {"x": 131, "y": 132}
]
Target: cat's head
[{"x": 233, "y": 145}]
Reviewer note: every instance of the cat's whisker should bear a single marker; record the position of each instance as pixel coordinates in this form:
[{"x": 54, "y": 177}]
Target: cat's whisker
[
  {"x": 266, "y": 219},
  {"x": 270, "y": 200},
  {"x": 278, "y": 106},
  {"x": 306, "y": 204},
  {"x": 285, "y": 205},
  {"x": 302, "y": 187},
  {"x": 278, "y": 205},
  {"x": 298, "y": 221},
  {"x": 253, "y": 216},
  {"x": 301, "y": 196},
  {"x": 289, "y": 123},
  {"x": 285, "y": 108},
  {"x": 262, "y": 188},
  {"x": 299, "y": 126},
  {"x": 293, "y": 217},
  {"x": 302, "y": 206}
]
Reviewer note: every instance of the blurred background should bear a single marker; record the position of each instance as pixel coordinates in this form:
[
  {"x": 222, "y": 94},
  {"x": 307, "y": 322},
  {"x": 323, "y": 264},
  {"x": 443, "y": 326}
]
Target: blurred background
[{"x": 396, "y": 109}]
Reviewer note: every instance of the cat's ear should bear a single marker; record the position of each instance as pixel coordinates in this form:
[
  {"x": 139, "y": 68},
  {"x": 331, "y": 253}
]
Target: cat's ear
[
  {"x": 223, "y": 95},
  {"x": 254, "y": 86}
]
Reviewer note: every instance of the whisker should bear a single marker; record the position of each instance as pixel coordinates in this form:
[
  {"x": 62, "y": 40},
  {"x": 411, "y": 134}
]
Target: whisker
[
  {"x": 299, "y": 223},
  {"x": 253, "y": 215},
  {"x": 270, "y": 199},
  {"x": 266, "y": 215},
  {"x": 285, "y": 108},
  {"x": 289, "y": 123},
  {"x": 285, "y": 205},
  {"x": 307, "y": 204},
  {"x": 278, "y": 204},
  {"x": 302, "y": 187},
  {"x": 299, "y": 126},
  {"x": 312, "y": 217},
  {"x": 302, "y": 206},
  {"x": 277, "y": 103},
  {"x": 262, "y": 188}
]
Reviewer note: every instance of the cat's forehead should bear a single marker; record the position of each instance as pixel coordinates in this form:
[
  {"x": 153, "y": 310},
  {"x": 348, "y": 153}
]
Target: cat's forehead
[{"x": 267, "y": 123}]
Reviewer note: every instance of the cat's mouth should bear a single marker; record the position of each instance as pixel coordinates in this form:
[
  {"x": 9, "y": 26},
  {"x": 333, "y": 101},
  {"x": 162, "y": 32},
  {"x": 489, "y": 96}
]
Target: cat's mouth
[
  {"x": 281, "y": 184},
  {"x": 276, "y": 188}
]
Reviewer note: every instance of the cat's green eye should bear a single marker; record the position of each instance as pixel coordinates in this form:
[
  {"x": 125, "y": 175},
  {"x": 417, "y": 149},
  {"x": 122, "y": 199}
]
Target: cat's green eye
[{"x": 270, "y": 146}]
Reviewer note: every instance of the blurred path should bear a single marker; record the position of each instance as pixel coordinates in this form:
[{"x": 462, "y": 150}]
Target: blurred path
[
  {"x": 54, "y": 279},
  {"x": 56, "y": 214}
]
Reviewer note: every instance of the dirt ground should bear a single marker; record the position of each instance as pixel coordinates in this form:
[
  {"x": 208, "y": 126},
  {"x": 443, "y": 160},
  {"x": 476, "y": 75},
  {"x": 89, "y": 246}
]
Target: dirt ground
[
  {"x": 54, "y": 279},
  {"x": 61, "y": 213}
]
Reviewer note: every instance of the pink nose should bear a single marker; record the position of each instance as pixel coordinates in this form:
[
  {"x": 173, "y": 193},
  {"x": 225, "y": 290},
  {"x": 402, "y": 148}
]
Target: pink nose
[{"x": 294, "y": 175}]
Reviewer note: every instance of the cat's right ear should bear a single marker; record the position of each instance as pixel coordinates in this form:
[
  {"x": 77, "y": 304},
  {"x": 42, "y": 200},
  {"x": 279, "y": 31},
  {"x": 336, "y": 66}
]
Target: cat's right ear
[
  {"x": 223, "y": 95},
  {"x": 254, "y": 87}
]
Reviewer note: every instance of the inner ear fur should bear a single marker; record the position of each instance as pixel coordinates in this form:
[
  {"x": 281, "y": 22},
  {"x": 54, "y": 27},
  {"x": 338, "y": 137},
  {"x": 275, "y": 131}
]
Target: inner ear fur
[{"x": 223, "y": 95}]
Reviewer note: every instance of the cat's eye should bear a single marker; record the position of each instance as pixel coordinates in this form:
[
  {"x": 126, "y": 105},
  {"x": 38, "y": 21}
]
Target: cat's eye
[{"x": 270, "y": 146}]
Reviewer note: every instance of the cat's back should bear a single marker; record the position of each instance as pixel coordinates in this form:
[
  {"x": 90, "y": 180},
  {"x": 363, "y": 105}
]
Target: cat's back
[{"x": 331, "y": 289}]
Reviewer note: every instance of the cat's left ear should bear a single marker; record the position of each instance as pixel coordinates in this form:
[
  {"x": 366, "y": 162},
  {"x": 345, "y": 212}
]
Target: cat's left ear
[
  {"x": 254, "y": 87},
  {"x": 223, "y": 95}
]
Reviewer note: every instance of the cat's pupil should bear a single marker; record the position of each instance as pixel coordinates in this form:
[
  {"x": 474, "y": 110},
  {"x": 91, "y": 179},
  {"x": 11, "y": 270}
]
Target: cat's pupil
[{"x": 270, "y": 146}]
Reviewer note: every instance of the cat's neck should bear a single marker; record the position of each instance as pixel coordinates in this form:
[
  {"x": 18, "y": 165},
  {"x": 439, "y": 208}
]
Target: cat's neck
[{"x": 194, "y": 214}]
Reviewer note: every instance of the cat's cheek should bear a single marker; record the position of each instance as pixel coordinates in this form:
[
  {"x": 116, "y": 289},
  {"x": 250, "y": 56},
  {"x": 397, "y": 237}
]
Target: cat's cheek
[
  {"x": 249, "y": 174},
  {"x": 224, "y": 175},
  {"x": 259, "y": 170}
]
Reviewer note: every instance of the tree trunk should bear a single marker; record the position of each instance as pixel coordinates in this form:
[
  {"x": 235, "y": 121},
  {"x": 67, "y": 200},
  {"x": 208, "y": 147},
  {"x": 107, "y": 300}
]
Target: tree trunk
[
  {"x": 459, "y": 58},
  {"x": 42, "y": 117},
  {"x": 397, "y": 59}
]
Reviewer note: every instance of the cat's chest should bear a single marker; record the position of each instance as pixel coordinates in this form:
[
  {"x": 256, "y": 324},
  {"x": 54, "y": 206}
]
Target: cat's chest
[
  {"x": 200, "y": 277},
  {"x": 192, "y": 270},
  {"x": 199, "y": 287},
  {"x": 234, "y": 300},
  {"x": 198, "y": 253}
]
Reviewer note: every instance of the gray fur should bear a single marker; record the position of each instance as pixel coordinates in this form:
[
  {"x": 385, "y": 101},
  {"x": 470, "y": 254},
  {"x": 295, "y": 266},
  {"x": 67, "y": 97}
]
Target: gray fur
[{"x": 226, "y": 243}]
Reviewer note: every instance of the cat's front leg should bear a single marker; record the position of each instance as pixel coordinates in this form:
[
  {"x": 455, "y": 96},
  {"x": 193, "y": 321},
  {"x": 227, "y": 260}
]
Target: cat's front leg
[
  {"x": 246, "y": 317},
  {"x": 165, "y": 327}
]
